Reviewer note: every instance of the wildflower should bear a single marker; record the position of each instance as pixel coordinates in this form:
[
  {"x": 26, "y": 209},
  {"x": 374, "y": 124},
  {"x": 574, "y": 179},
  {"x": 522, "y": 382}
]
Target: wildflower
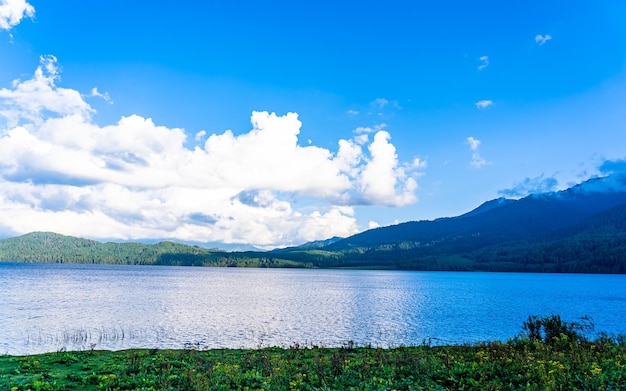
[{"x": 596, "y": 370}]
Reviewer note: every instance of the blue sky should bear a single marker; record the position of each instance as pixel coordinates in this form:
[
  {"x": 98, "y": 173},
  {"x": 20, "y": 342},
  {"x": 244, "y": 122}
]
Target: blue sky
[{"x": 126, "y": 120}]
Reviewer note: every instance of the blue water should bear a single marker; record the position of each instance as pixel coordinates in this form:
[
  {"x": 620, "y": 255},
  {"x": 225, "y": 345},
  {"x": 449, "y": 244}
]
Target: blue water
[{"x": 51, "y": 307}]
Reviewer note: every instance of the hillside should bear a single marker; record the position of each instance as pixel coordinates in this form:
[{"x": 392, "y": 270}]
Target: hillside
[
  {"x": 581, "y": 229},
  {"x": 50, "y": 247}
]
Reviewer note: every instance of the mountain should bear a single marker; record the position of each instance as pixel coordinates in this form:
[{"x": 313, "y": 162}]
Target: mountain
[
  {"x": 535, "y": 233},
  {"x": 498, "y": 220},
  {"x": 581, "y": 229}
]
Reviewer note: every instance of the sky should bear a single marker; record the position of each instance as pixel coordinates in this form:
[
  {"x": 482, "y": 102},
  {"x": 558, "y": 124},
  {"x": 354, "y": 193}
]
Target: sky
[{"x": 274, "y": 123}]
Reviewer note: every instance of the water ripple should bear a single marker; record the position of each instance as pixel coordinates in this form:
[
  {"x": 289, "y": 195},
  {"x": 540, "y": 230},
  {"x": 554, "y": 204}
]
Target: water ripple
[{"x": 78, "y": 307}]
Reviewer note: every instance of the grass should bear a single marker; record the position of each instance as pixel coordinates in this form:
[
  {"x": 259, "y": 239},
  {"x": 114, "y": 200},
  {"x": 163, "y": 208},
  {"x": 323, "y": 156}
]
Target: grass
[{"x": 562, "y": 363}]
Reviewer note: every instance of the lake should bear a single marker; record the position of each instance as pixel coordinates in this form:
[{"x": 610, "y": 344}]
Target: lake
[{"x": 51, "y": 307}]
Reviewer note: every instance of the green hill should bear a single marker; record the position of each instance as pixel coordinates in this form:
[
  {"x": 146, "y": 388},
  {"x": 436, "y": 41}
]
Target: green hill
[
  {"x": 48, "y": 247},
  {"x": 52, "y": 247}
]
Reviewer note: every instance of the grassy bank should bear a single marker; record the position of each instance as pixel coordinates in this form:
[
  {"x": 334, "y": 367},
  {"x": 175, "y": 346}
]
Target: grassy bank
[{"x": 561, "y": 363}]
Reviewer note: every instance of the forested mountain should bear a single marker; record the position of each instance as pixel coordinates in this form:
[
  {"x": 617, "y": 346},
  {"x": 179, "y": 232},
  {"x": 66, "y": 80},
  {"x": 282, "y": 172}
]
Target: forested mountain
[
  {"x": 55, "y": 248},
  {"x": 52, "y": 247},
  {"x": 581, "y": 229},
  {"x": 495, "y": 221}
]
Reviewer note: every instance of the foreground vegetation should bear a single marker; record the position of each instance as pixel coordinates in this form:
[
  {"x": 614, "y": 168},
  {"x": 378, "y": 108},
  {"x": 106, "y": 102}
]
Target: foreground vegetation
[{"x": 551, "y": 355}]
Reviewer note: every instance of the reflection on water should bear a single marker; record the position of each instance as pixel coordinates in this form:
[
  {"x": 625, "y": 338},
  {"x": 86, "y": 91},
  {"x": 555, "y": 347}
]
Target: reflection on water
[{"x": 53, "y": 307}]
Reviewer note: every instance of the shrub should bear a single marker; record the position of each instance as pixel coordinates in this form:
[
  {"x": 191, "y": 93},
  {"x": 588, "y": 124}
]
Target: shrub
[{"x": 552, "y": 328}]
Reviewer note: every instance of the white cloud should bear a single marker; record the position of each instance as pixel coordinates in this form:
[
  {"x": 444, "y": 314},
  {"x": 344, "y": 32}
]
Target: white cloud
[
  {"x": 382, "y": 180},
  {"x": 200, "y": 135},
  {"x": 419, "y": 163},
  {"x": 353, "y": 112},
  {"x": 483, "y": 104},
  {"x": 13, "y": 11},
  {"x": 370, "y": 129},
  {"x": 384, "y": 108},
  {"x": 372, "y": 225},
  {"x": 380, "y": 103},
  {"x": 105, "y": 96},
  {"x": 485, "y": 62},
  {"x": 32, "y": 99},
  {"x": 59, "y": 171},
  {"x": 542, "y": 39},
  {"x": 473, "y": 143},
  {"x": 477, "y": 160}
]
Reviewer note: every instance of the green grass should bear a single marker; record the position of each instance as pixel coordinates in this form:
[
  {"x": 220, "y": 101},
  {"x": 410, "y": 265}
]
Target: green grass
[{"x": 562, "y": 363}]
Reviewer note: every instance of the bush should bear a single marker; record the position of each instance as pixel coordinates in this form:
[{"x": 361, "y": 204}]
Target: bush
[{"x": 552, "y": 328}]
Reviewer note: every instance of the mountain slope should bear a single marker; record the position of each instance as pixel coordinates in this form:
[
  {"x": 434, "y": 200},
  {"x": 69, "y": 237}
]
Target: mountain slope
[
  {"x": 534, "y": 233},
  {"x": 595, "y": 245},
  {"x": 495, "y": 221}
]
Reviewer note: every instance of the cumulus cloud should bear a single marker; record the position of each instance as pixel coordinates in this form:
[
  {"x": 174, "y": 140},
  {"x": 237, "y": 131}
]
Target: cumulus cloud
[
  {"x": 483, "y": 104},
  {"x": 134, "y": 179},
  {"x": 537, "y": 185},
  {"x": 484, "y": 62},
  {"x": 13, "y": 11},
  {"x": 382, "y": 181},
  {"x": 542, "y": 39},
  {"x": 477, "y": 160},
  {"x": 29, "y": 101}
]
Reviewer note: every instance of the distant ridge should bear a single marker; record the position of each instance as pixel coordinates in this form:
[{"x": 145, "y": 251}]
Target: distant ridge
[
  {"x": 581, "y": 229},
  {"x": 316, "y": 244},
  {"x": 49, "y": 247},
  {"x": 53, "y": 247}
]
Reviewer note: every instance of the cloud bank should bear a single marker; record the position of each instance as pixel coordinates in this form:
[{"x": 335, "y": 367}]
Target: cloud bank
[
  {"x": 134, "y": 179},
  {"x": 13, "y": 11}
]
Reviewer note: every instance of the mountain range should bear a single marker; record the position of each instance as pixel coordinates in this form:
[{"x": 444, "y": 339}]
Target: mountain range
[{"x": 580, "y": 229}]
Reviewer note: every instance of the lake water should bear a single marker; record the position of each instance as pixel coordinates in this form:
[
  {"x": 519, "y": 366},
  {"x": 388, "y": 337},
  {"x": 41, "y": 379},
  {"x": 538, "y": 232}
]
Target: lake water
[{"x": 51, "y": 307}]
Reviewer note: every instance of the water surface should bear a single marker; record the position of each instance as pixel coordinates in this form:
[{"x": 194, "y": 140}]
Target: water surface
[{"x": 50, "y": 307}]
